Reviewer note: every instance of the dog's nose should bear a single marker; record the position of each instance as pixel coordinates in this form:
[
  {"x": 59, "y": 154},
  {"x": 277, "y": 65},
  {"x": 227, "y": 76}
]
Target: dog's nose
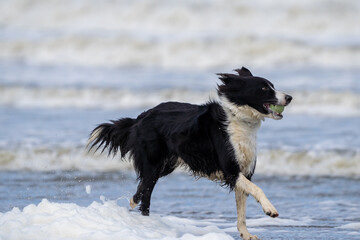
[{"x": 288, "y": 99}]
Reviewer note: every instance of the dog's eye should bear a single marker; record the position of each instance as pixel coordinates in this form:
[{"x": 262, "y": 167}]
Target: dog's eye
[{"x": 265, "y": 88}]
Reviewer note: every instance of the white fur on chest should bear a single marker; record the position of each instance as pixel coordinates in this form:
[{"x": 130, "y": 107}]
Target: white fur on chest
[{"x": 243, "y": 124}]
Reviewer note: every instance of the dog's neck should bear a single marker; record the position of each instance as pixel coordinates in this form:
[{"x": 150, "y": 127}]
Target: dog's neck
[
  {"x": 245, "y": 114},
  {"x": 243, "y": 123}
]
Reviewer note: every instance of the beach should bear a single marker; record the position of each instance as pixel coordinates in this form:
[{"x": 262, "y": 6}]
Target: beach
[{"x": 67, "y": 66}]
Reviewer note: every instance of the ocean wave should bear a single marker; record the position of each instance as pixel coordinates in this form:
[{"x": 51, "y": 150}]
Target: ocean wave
[
  {"x": 309, "y": 163},
  {"x": 61, "y": 158},
  {"x": 183, "y": 34},
  {"x": 320, "y": 102},
  {"x": 93, "y": 97},
  {"x": 332, "y": 163},
  {"x": 354, "y": 225},
  {"x": 325, "y": 102},
  {"x": 181, "y": 54}
]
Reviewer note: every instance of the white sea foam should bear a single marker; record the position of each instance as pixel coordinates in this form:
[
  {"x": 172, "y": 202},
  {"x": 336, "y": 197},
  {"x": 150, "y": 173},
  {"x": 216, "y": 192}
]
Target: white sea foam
[
  {"x": 106, "y": 220},
  {"x": 270, "y": 162},
  {"x": 354, "y": 225},
  {"x": 93, "y": 97},
  {"x": 52, "y": 159},
  {"x": 321, "y": 102},
  {"x": 181, "y": 34},
  {"x": 325, "y": 103},
  {"x": 88, "y": 189},
  {"x": 309, "y": 163}
]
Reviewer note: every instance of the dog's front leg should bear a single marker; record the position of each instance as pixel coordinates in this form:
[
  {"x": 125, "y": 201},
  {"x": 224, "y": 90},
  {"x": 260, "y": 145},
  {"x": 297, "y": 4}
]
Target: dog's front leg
[
  {"x": 241, "y": 197},
  {"x": 243, "y": 184}
]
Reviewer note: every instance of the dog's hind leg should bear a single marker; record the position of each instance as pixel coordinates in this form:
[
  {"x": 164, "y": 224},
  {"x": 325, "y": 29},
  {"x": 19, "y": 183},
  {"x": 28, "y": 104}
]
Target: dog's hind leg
[
  {"x": 148, "y": 174},
  {"x": 149, "y": 162},
  {"x": 243, "y": 184},
  {"x": 143, "y": 195},
  {"x": 146, "y": 196}
]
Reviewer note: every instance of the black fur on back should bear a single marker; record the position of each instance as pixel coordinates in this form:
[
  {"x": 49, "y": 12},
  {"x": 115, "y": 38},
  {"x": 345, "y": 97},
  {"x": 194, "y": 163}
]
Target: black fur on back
[{"x": 159, "y": 137}]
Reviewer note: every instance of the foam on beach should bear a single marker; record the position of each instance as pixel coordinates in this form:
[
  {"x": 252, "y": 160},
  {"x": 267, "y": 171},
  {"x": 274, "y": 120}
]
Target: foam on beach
[
  {"x": 107, "y": 220},
  {"x": 100, "y": 220}
]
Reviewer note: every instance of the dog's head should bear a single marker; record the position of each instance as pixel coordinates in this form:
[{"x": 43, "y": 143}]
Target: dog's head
[{"x": 256, "y": 92}]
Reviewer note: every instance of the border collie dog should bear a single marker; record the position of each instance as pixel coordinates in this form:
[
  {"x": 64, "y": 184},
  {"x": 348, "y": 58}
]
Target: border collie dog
[{"x": 216, "y": 140}]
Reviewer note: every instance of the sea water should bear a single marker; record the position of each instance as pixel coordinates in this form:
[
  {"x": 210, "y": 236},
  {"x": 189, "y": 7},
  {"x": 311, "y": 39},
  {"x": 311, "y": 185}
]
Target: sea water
[
  {"x": 66, "y": 66},
  {"x": 59, "y": 205}
]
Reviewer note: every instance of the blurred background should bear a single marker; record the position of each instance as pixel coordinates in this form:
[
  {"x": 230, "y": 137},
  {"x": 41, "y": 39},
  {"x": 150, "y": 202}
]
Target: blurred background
[
  {"x": 68, "y": 65},
  {"x": 62, "y": 61}
]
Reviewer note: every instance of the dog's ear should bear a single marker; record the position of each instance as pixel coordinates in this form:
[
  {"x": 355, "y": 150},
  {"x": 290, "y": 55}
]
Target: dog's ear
[
  {"x": 244, "y": 72},
  {"x": 227, "y": 78},
  {"x": 231, "y": 82}
]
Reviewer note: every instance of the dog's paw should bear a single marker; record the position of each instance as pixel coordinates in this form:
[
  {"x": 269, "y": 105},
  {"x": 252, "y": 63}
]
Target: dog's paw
[
  {"x": 248, "y": 236},
  {"x": 132, "y": 203},
  {"x": 244, "y": 233},
  {"x": 270, "y": 210}
]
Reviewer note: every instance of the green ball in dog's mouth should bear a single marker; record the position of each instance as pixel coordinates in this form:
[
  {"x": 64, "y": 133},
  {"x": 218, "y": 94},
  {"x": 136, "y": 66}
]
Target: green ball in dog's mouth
[{"x": 277, "y": 108}]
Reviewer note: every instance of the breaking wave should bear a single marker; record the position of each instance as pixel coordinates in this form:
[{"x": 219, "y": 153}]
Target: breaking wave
[
  {"x": 340, "y": 163},
  {"x": 320, "y": 102},
  {"x": 181, "y": 34}
]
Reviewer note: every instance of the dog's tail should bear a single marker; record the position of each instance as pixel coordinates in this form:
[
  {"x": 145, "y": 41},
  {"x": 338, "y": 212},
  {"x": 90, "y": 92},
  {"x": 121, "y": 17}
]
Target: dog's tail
[{"x": 114, "y": 136}]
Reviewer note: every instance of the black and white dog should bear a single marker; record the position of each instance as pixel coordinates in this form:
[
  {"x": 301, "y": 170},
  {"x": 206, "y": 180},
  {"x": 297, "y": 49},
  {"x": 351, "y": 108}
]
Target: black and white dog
[{"x": 216, "y": 140}]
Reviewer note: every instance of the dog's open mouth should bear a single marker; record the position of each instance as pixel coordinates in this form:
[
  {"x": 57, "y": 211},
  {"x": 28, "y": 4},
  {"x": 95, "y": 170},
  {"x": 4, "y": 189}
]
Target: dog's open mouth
[{"x": 274, "y": 110}]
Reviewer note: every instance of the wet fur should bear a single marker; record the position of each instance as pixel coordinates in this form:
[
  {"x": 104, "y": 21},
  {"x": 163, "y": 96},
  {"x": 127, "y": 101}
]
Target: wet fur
[
  {"x": 169, "y": 135},
  {"x": 216, "y": 140}
]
